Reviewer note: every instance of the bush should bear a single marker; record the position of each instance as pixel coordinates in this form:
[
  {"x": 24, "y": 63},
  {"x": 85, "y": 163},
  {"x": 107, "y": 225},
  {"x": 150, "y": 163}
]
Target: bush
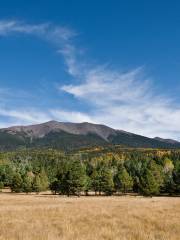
[{"x": 1, "y": 186}]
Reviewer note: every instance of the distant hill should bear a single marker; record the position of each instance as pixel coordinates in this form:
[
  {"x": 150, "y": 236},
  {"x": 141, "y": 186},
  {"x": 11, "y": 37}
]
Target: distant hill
[
  {"x": 166, "y": 140},
  {"x": 68, "y": 136}
]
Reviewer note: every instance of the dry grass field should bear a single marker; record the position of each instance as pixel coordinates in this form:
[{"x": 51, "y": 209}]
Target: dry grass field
[{"x": 44, "y": 217}]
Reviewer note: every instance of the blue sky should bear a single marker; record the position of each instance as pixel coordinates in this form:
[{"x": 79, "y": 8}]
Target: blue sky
[{"x": 111, "y": 62}]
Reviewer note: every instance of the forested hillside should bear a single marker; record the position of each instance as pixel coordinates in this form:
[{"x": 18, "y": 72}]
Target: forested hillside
[{"x": 99, "y": 170}]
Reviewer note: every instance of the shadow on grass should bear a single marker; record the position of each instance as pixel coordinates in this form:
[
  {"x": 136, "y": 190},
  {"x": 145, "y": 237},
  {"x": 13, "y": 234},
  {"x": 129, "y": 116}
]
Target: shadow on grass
[{"x": 49, "y": 194}]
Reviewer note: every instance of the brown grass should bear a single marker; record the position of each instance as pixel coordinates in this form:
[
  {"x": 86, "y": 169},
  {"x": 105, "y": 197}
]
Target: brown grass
[{"x": 88, "y": 218}]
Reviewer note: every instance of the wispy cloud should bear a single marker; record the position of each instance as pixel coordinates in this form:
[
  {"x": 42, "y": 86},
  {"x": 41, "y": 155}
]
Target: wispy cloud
[
  {"x": 28, "y": 116},
  {"x": 9, "y": 27},
  {"x": 60, "y": 36},
  {"x": 124, "y": 100},
  {"x": 72, "y": 116}
]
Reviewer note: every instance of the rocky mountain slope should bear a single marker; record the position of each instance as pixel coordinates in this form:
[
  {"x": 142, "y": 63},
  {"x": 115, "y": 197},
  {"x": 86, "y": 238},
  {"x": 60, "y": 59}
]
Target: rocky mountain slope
[{"x": 68, "y": 136}]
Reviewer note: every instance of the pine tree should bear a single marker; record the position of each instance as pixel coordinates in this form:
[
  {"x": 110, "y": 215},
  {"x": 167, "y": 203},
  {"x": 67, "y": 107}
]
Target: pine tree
[
  {"x": 27, "y": 185},
  {"x": 6, "y": 174},
  {"x": 16, "y": 185},
  {"x": 74, "y": 179},
  {"x": 1, "y": 186},
  {"x": 106, "y": 183},
  {"x": 87, "y": 185},
  {"x": 95, "y": 181},
  {"x": 152, "y": 179},
  {"x": 176, "y": 177},
  {"x": 44, "y": 180},
  {"x": 102, "y": 180},
  {"x": 37, "y": 184},
  {"x": 54, "y": 186},
  {"x": 123, "y": 181}
]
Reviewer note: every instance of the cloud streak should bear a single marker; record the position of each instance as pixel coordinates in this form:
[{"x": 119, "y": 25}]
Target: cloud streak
[
  {"x": 46, "y": 30},
  {"x": 123, "y": 100},
  {"x": 126, "y": 101},
  {"x": 59, "y": 36}
]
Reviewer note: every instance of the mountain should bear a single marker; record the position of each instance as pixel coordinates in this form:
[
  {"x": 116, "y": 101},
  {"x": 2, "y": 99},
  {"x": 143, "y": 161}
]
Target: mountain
[
  {"x": 171, "y": 141},
  {"x": 68, "y": 136},
  {"x": 40, "y": 130}
]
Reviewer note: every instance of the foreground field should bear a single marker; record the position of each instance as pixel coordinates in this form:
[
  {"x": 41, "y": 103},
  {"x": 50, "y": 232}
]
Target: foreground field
[{"x": 88, "y": 218}]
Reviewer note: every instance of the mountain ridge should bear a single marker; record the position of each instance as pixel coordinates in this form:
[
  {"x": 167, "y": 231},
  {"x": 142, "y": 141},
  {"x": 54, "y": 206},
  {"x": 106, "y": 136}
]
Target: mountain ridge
[
  {"x": 40, "y": 130},
  {"x": 64, "y": 135}
]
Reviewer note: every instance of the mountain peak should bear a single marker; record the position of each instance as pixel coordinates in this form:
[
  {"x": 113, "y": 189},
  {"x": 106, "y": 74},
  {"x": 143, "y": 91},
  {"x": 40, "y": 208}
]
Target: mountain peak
[
  {"x": 69, "y": 135},
  {"x": 84, "y": 128}
]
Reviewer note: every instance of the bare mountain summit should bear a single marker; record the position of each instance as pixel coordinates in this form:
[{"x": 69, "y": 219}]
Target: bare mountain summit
[
  {"x": 68, "y": 136},
  {"x": 40, "y": 130}
]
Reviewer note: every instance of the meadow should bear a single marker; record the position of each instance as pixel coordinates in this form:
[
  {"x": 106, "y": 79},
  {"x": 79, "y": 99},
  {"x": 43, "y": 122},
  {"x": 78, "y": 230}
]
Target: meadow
[{"x": 50, "y": 217}]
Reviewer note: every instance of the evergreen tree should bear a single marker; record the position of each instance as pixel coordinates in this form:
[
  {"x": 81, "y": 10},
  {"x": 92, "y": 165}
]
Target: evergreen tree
[
  {"x": 54, "y": 186},
  {"x": 17, "y": 181},
  {"x": 74, "y": 179},
  {"x": 37, "y": 184},
  {"x": 6, "y": 174},
  {"x": 1, "y": 186},
  {"x": 152, "y": 180},
  {"x": 27, "y": 185},
  {"x": 106, "y": 183},
  {"x": 102, "y": 179},
  {"x": 87, "y": 185},
  {"x": 176, "y": 177},
  {"x": 44, "y": 180},
  {"x": 123, "y": 181},
  {"x": 95, "y": 181}
]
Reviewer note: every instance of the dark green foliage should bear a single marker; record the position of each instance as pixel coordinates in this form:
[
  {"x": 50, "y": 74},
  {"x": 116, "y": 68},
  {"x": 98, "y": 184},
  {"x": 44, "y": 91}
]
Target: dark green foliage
[
  {"x": 152, "y": 180},
  {"x": 102, "y": 180},
  {"x": 137, "y": 141},
  {"x": 106, "y": 181},
  {"x": 176, "y": 177},
  {"x": 74, "y": 179},
  {"x": 44, "y": 180},
  {"x": 71, "y": 179},
  {"x": 95, "y": 181},
  {"x": 66, "y": 141},
  {"x": 56, "y": 140},
  {"x": 123, "y": 181},
  {"x": 103, "y": 171},
  {"x": 17, "y": 182},
  {"x": 55, "y": 186},
  {"x": 37, "y": 187},
  {"x": 11, "y": 141},
  {"x": 87, "y": 184},
  {"x": 1, "y": 186},
  {"x": 6, "y": 174},
  {"x": 27, "y": 185}
]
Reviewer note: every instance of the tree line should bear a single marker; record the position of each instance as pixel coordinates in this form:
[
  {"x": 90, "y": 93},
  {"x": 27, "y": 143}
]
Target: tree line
[{"x": 146, "y": 173}]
